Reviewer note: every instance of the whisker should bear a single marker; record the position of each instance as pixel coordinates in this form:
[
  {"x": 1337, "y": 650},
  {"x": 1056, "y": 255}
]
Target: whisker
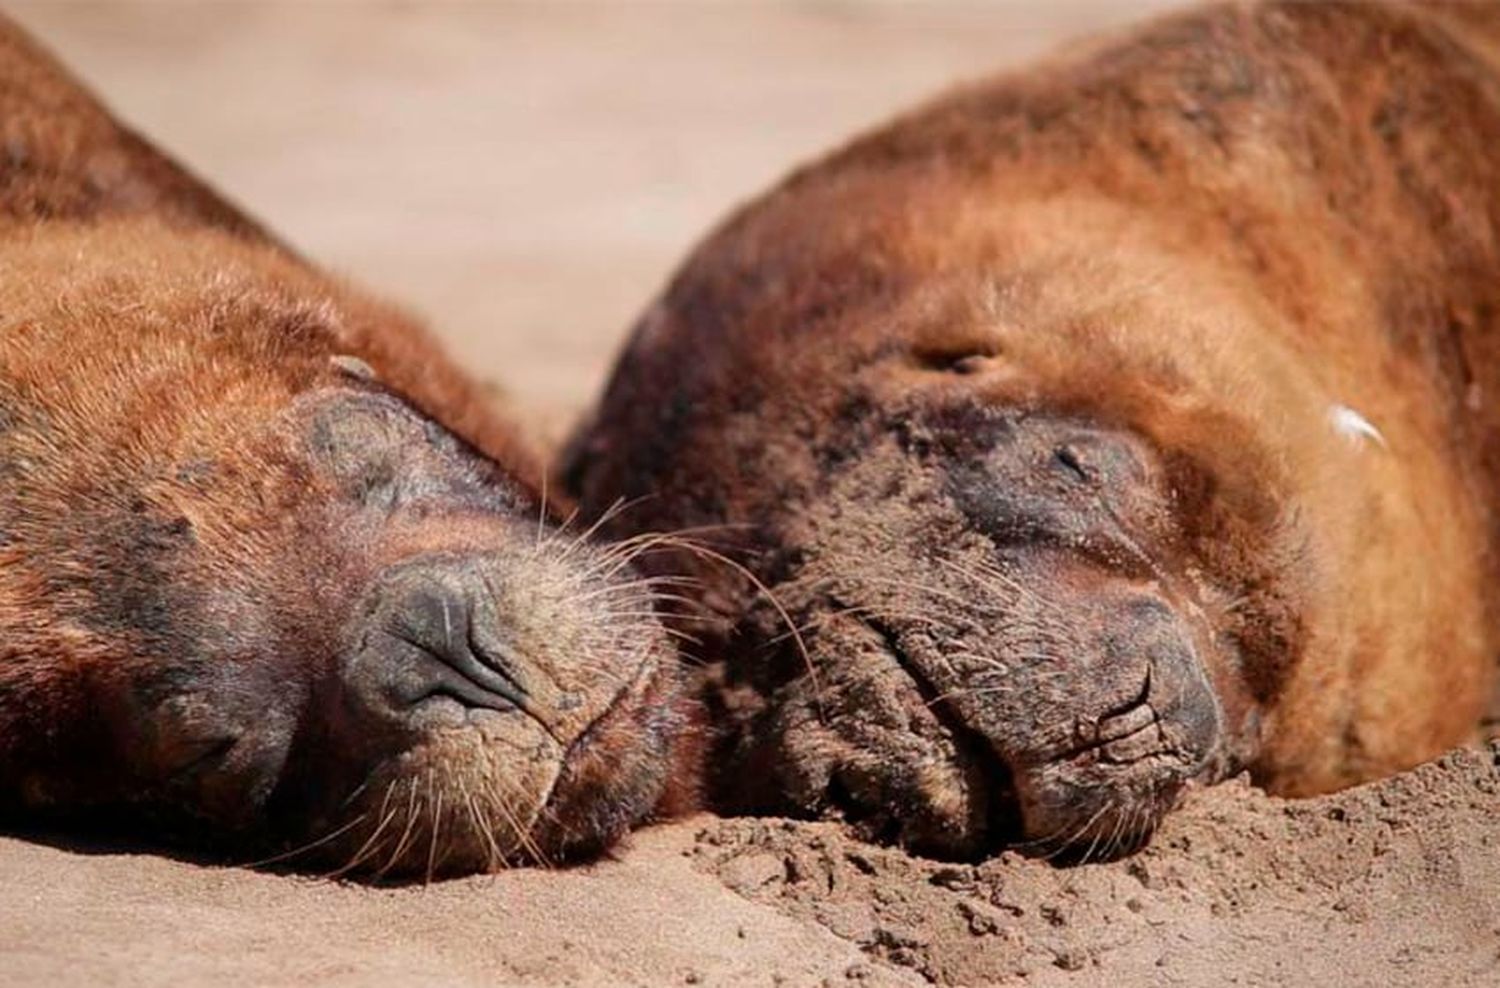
[
  {"x": 1077, "y": 835},
  {"x": 370, "y": 842},
  {"x": 494, "y": 860},
  {"x": 926, "y": 590},
  {"x": 435, "y": 796},
  {"x": 1098, "y": 832},
  {"x": 496, "y": 798},
  {"x": 996, "y": 575},
  {"x": 620, "y": 506},
  {"x": 541, "y": 514},
  {"x": 651, "y": 541},
  {"x": 319, "y": 842},
  {"x": 401, "y": 842}
]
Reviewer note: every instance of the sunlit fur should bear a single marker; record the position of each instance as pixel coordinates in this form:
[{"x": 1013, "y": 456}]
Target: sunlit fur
[
  {"x": 219, "y": 468},
  {"x": 1186, "y": 245}
]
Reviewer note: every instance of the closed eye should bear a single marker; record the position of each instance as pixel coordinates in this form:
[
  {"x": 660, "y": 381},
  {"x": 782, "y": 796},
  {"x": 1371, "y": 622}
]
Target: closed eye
[{"x": 962, "y": 360}]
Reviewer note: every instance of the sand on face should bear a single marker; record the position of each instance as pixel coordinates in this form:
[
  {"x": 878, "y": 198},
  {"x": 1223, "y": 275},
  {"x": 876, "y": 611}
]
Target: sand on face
[{"x": 526, "y": 175}]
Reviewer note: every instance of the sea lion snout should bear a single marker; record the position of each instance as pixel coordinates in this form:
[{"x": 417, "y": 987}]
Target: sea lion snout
[
  {"x": 435, "y": 650},
  {"x": 1133, "y": 747},
  {"x": 489, "y": 690}
]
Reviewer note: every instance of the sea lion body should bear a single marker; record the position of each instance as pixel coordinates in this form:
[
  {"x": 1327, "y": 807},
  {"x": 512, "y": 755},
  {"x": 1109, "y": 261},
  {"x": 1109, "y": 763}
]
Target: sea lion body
[
  {"x": 272, "y": 576},
  {"x": 1101, "y": 429}
]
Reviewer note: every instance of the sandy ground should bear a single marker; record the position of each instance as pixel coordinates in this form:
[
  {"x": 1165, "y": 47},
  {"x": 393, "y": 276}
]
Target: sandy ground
[
  {"x": 526, "y": 175},
  {"x": 1390, "y": 884}
]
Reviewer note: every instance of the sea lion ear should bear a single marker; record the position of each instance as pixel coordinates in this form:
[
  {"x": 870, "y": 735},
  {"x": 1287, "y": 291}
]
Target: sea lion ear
[{"x": 353, "y": 366}]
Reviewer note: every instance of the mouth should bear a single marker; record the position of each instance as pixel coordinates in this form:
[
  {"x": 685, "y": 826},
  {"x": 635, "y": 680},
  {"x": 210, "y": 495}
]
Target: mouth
[
  {"x": 1095, "y": 799},
  {"x": 456, "y": 689},
  {"x": 1123, "y": 734}
]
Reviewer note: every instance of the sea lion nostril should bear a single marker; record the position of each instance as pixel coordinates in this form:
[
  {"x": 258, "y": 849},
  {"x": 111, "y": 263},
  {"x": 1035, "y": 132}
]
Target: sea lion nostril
[{"x": 438, "y": 620}]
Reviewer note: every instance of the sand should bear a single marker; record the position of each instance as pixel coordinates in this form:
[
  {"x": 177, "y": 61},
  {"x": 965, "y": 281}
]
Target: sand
[
  {"x": 526, "y": 175},
  {"x": 1391, "y": 883}
]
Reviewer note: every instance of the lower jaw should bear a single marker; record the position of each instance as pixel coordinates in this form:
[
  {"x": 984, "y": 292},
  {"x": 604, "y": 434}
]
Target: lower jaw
[
  {"x": 455, "y": 801},
  {"x": 478, "y": 832},
  {"x": 1113, "y": 817}
]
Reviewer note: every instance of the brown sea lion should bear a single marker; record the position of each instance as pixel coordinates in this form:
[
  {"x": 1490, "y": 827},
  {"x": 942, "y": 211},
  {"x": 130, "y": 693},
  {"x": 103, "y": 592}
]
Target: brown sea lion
[
  {"x": 272, "y": 577},
  {"x": 1105, "y": 427}
]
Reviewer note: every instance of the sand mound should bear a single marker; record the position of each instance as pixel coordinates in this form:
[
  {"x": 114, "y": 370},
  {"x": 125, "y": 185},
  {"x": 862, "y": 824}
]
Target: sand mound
[{"x": 1389, "y": 882}]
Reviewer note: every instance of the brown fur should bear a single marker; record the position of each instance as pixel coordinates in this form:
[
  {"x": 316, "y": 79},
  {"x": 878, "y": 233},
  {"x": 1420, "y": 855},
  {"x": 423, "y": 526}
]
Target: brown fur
[
  {"x": 228, "y": 488},
  {"x": 1189, "y": 247}
]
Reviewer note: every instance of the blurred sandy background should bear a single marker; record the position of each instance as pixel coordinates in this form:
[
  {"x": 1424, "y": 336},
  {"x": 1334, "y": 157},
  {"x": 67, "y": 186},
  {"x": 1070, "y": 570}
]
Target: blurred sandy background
[{"x": 525, "y": 175}]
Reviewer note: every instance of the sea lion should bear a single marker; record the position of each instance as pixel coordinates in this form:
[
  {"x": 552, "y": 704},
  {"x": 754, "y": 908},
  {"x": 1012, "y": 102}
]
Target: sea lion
[
  {"x": 1102, "y": 428},
  {"x": 272, "y": 575}
]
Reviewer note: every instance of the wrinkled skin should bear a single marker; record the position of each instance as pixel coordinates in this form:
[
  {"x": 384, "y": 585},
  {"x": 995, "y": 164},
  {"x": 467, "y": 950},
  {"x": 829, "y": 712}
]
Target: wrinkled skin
[
  {"x": 1085, "y": 435},
  {"x": 274, "y": 581},
  {"x": 1020, "y": 656}
]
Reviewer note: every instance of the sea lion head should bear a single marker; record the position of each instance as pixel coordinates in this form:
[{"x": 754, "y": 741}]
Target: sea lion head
[
  {"x": 494, "y": 691},
  {"x": 257, "y": 598},
  {"x": 1025, "y": 493}
]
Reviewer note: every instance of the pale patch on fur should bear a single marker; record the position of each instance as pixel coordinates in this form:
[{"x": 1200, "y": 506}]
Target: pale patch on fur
[
  {"x": 1354, "y": 426},
  {"x": 353, "y": 366}
]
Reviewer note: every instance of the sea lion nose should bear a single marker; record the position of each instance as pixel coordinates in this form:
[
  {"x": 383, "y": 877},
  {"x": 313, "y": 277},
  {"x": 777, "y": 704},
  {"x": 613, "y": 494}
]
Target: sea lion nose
[
  {"x": 421, "y": 641},
  {"x": 437, "y": 621},
  {"x": 1173, "y": 708}
]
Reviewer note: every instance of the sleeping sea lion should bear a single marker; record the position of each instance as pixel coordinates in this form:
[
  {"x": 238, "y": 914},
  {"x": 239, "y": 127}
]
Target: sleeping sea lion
[
  {"x": 272, "y": 576},
  {"x": 1102, "y": 428}
]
